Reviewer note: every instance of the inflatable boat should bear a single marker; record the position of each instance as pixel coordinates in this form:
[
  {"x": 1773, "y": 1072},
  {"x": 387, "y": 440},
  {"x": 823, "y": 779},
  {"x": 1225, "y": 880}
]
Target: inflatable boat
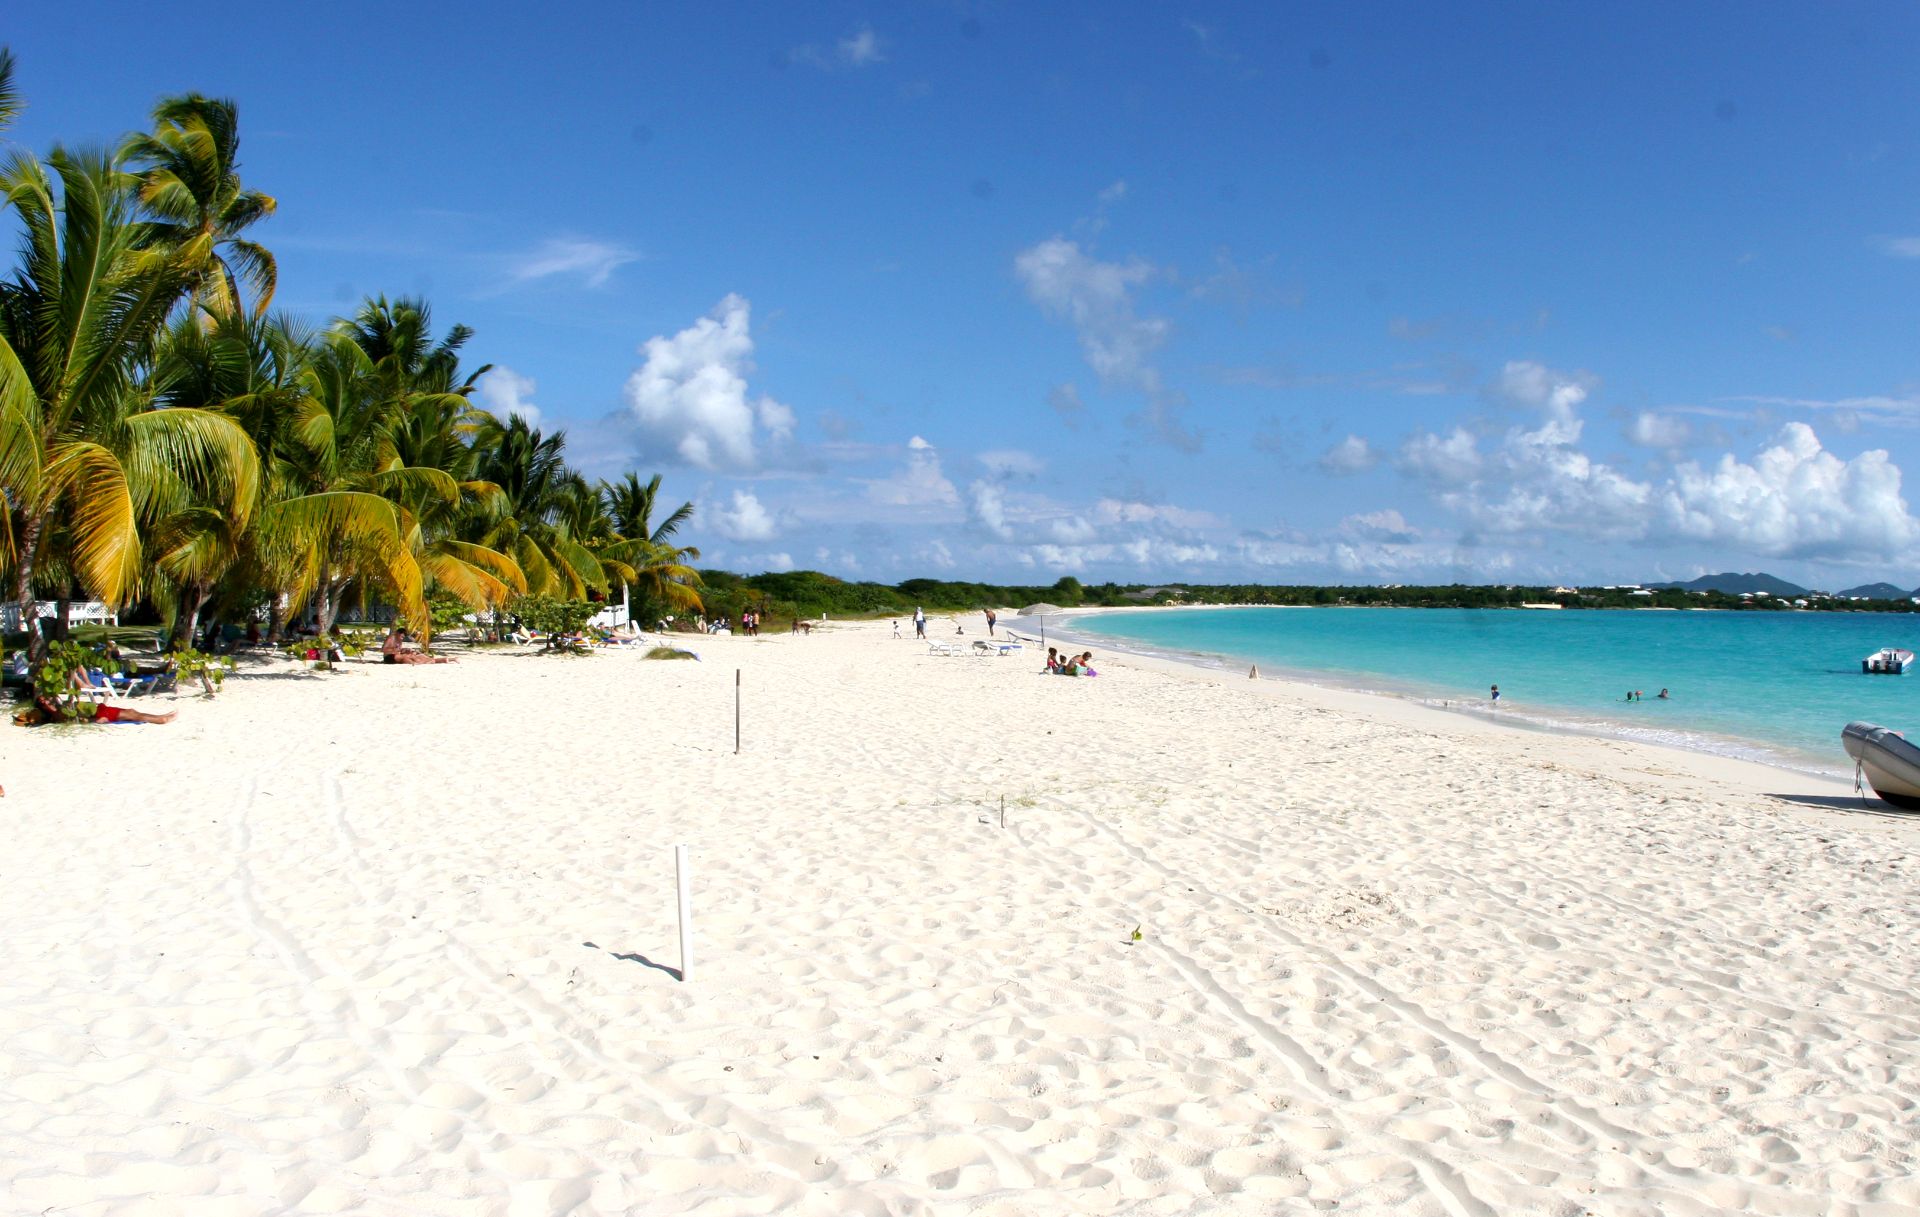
[{"x": 1890, "y": 763}]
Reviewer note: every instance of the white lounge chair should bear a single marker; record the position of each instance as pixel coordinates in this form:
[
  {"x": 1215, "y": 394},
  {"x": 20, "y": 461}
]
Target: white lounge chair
[{"x": 95, "y": 687}]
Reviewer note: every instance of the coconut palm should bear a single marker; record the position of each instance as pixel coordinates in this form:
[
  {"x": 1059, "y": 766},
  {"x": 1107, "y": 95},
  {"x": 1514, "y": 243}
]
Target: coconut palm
[
  {"x": 190, "y": 189},
  {"x": 533, "y": 524},
  {"x": 662, "y": 570},
  {"x": 85, "y": 458},
  {"x": 435, "y": 432},
  {"x": 256, "y": 370},
  {"x": 338, "y": 524},
  {"x": 10, "y": 101}
]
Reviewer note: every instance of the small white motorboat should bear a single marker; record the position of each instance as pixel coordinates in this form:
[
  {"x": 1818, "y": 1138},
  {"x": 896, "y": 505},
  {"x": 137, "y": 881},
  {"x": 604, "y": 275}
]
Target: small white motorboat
[
  {"x": 1889, "y": 661},
  {"x": 1890, "y": 763}
]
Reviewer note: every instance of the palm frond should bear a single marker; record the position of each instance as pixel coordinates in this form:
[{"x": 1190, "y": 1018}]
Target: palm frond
[
  {"x": 10, "y": 101},
  {"x": 209, "y": 449},
  {"x": 102, "y": 534}
]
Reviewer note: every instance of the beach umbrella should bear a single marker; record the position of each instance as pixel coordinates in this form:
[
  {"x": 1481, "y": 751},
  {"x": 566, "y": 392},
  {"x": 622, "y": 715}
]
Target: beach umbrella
[{"x": 1040, "y": 610}]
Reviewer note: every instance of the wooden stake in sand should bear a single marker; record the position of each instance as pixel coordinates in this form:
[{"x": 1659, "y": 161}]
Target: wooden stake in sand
[
  {"x": 736, "y": 711},
  {"x": 683, "y": 880}
]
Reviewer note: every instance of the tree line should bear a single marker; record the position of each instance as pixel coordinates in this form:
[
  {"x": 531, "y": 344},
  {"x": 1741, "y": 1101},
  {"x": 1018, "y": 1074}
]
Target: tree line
[{"x": 808, "y": 593}]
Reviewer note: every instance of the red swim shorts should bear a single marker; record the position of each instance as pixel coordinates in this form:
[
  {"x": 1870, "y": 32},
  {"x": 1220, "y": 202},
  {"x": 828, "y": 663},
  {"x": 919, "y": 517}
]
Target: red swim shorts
[{"x": 106, "y": 714}]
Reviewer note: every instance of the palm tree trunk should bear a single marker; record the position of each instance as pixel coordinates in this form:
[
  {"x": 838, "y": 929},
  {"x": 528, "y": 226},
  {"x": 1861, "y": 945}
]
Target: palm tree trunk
[
  {"x": 186, "y": 619},
  {"x": 29, "y": 531},
  {"x": 327, "y": 606},
  {"x": 276, "y": 618}
]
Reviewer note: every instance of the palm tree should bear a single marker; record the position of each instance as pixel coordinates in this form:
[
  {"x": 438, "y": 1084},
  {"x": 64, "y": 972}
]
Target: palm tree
[
  {"x": 257, "y": 371},
  {"x": 85, "y": 458},
  {"x": 190, "y": 188},
  {"x": 661, "y": 569},
  {"x": 10, "y": 101},
  {"x": 631, "y": 503},
  {"x": 336, "y": 524},
  {"x": 531, "y": 522}
]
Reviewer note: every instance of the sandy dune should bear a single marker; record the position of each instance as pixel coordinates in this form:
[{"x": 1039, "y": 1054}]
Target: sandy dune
[{"x": 401, "y": 941}]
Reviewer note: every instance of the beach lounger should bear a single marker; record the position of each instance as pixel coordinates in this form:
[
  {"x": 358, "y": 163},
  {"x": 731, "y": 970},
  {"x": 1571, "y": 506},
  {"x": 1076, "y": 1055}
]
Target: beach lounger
[
  {"x": 945, "y": 648},
  {"x": 134, "y": 686},
  {"x": 98, "y": 688}
]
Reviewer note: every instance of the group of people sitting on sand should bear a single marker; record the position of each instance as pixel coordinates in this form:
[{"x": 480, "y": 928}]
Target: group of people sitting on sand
[{"x": 1069, "y": 665}]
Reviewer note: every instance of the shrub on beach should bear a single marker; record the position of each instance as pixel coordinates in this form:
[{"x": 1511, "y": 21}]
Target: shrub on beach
[
  {"x": 559, "y": 620},
  {"x": 669, "y": 653}
]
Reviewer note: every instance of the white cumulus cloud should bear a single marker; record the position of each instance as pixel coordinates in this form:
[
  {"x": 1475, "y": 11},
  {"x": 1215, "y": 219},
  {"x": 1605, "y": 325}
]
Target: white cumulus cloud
[
  {"x": 690, "y": 393},
  {"x": 921, "y": 483},
  {"x": 988, "y": 507},
  {"x": 1538, "y": 387},
  {"x": 1351, "y": 455},
  {"x": 744, "y": 519},
  {"x": 503, "y": 393},
  {"x": 1664, "y": 431},
  {"x": 1386, "y": 525},
  {"x": 1450, "y": 459},
  {"x": 1795, "y": 499}
]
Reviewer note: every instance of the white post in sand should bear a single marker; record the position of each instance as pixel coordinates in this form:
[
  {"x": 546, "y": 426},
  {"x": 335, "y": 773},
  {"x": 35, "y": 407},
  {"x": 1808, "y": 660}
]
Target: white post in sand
[{"x": 683, "y": 879}]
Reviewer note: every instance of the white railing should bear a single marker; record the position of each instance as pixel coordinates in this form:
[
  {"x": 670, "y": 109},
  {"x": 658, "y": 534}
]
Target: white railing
[
  {"x": 79, "y": 612},
  {"x": 611, "y": 617}
]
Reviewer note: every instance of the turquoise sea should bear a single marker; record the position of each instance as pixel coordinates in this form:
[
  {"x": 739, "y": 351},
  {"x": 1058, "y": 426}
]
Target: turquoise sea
[{"x": 1770, "y": 686}]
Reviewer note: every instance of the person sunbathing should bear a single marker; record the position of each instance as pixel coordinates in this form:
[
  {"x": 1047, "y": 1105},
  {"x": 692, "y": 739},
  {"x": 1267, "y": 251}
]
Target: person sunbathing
[
  {"x": 394, "y": 650},
  {"x": 52, "y": 711}
]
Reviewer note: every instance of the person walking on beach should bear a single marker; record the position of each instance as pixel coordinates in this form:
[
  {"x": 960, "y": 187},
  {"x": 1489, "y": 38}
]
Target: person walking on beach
[
  {"x": 919, "y": 623},
  {"x": 896, "y": 628},
  {"x": 991, "y": 619}
]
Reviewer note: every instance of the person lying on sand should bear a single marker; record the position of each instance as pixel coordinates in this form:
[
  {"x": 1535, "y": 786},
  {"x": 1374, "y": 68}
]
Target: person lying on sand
[
  {"x": 394, "y": 650},
  {"x": 47, "y": 710}
]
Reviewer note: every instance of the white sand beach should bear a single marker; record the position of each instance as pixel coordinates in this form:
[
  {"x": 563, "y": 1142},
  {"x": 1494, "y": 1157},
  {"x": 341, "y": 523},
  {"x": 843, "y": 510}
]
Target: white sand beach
[{"x": 400, "y": 941}]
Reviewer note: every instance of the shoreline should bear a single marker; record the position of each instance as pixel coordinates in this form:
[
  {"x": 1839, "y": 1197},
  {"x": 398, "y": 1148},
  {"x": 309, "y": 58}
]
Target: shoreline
[{"x": 1547, "y": 721}]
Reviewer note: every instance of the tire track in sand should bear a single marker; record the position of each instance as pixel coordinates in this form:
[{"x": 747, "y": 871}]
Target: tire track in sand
[
  {"x": 1307, "y": 1070},
  {"x": 348, "y": 1014},
  {"x": 1597, "y": 1129}
]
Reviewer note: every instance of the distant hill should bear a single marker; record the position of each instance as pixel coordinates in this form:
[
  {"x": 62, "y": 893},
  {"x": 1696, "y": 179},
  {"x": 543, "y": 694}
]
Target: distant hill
[
  {"x": 1876, "y": 591},
  {"x": 1734, "y": 584}
]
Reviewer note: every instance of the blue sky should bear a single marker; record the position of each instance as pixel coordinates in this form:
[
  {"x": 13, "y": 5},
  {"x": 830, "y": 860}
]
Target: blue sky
[{"x": 1143, "y": 292}]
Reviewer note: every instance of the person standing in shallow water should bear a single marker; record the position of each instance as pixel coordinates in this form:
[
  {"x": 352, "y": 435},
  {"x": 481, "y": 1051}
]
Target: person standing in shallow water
[{"x": 1496, "y": 694}]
